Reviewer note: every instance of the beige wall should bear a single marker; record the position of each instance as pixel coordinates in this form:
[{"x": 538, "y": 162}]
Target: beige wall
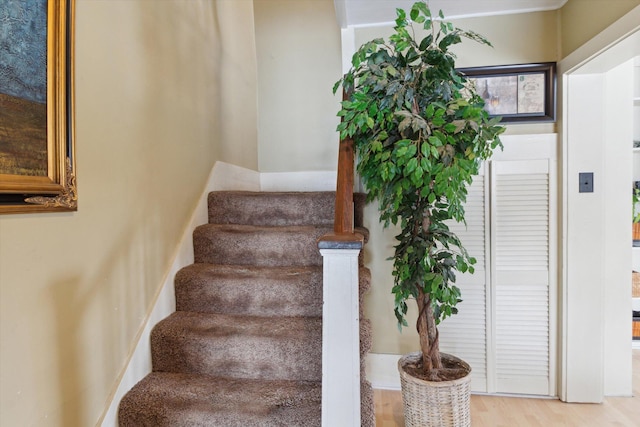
[
  {"x": 75, "y": 287},
  {"x": 238, "y": 83},
  {"x": 298, "y": 49},
  {"x": 581, "y": 20},
  {"x": 516, "y": 39}
]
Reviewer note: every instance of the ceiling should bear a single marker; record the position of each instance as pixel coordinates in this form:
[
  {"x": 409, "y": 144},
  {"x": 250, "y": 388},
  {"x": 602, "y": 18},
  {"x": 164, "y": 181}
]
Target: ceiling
[{"x": 359, "y": 13}]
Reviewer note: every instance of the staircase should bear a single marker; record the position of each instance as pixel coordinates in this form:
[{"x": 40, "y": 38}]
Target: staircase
[{"x": 244, "y": 347}]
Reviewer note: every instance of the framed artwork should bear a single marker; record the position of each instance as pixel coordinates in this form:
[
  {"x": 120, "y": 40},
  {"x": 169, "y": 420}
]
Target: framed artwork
[
  {"x": 37, "y": 158},
  {"x": 517, "y": 93}
]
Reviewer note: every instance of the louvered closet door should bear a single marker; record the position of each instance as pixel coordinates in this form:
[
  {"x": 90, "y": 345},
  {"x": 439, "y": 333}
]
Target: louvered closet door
[
  {"x": 506, "y": 321},
  {"x": 521, "y": 302},
  {"x": 464, "y": 334}
]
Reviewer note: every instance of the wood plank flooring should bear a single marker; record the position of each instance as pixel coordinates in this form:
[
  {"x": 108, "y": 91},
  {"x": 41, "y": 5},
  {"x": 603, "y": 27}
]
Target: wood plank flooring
[{"x": 495, "y": 411}]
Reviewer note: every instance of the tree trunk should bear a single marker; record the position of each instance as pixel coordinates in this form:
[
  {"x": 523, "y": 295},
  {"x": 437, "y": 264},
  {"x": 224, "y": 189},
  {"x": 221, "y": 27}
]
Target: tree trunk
[{"x": 428, "y": 333}]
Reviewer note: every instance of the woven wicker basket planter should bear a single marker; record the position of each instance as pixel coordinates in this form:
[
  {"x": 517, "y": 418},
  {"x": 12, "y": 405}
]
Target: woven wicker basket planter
[{"x": 435, "y": 404}]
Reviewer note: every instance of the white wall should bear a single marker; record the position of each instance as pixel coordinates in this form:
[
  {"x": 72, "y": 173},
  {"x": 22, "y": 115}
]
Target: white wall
[
  {"x": 598, "y": 134},
  {"x": 585, "y": 215},
  {"x": 617, "y": 222}
]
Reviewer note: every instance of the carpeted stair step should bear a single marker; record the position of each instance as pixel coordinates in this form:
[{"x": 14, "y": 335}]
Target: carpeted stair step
[
  {"x": 252, "y": 291},
  {"x": 244, "y": 347},
  {"x": 277, "y": 208},
  {"x": 280, "y": 348},
  {"x": 258, "y": 246},
  {"x": 186, "y": 400}
]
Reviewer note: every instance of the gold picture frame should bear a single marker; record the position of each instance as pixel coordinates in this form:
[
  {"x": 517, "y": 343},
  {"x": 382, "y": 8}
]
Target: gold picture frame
[{"x": 37, "y": 152}]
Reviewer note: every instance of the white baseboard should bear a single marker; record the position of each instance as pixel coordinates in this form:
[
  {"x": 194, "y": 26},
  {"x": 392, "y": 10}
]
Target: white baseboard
[
  {"x": 382, "y": 371},
  {"x": 223, "y": 177},
  {"x": 226, "y": 177}
]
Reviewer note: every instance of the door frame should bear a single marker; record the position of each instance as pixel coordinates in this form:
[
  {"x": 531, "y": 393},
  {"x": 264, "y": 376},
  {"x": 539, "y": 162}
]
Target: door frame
[{"x": 588, "y": 370}]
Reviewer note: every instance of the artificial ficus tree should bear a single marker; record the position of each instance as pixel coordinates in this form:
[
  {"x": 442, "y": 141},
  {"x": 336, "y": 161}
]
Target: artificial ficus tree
[{"x": 420, "y": 133}]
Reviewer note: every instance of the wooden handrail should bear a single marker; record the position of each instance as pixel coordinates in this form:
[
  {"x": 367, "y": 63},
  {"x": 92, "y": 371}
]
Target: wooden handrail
[
  {"x": 343, "y": 219},
  {"x": 343, "y": 235}
]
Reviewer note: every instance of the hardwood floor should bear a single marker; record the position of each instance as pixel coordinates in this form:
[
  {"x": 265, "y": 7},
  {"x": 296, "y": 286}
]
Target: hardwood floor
[{"x": 494, "y": 411}]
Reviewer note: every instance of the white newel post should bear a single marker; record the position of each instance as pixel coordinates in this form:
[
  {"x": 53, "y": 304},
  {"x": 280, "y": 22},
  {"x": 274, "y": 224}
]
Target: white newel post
[{"x": 340, "y": 334}]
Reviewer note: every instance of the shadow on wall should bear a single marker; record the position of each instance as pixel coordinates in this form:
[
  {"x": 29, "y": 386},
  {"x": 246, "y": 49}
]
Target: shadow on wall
[
  {"x": 68, "y": 312},
  {"x": 188, "y": 107},
  {"x": 379, "y": 303},
  {"x": 97, "y": 320}
]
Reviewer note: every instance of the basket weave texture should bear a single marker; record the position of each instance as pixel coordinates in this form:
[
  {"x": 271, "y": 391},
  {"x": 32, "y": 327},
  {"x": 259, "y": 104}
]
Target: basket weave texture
[
  {"x": 635, "y": 290},
  {"x": 435, "y": 404}
]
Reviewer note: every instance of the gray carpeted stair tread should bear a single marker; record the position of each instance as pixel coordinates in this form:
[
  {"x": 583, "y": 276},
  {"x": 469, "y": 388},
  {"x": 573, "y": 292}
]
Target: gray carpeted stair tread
[
  {"x": 181, "y": 400},
  {"x": 248, "y": 290},
  {"x": 283, "y": 348},
  {"x": 271, "y": 208},
  {"x": 259, "y": 246},
  {"x": 277, "y": 208}
]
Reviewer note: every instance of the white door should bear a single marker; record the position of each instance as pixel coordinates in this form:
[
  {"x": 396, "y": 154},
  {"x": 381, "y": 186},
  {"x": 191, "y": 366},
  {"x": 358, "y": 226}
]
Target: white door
[
  {"x": 506, "y": 325},
  {"x": 465, "y": 334}
]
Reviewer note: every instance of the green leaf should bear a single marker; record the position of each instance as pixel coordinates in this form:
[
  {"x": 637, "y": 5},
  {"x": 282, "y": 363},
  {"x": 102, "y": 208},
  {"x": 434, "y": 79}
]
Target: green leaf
[
  {"x": 414, "y": 13},
  {"x": 426, "y": 42},
  {"x": 402, "y": 45},
  {"x": 429, "y": 111},
  {"x": 417, "y": 175},
  {"x": 422, "y": 7},
  {"x": 391, "y": 71},
  {"x": 336, "y": 86},
  {"x": 425, "y": 149},
  {"x": 450, "y": 128},
  {"x": 356, "y": 59},
  {"x": 411, "y": 150},
  {"x": 435, "y": 141},
  {"x": 411, "y": 166}
]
